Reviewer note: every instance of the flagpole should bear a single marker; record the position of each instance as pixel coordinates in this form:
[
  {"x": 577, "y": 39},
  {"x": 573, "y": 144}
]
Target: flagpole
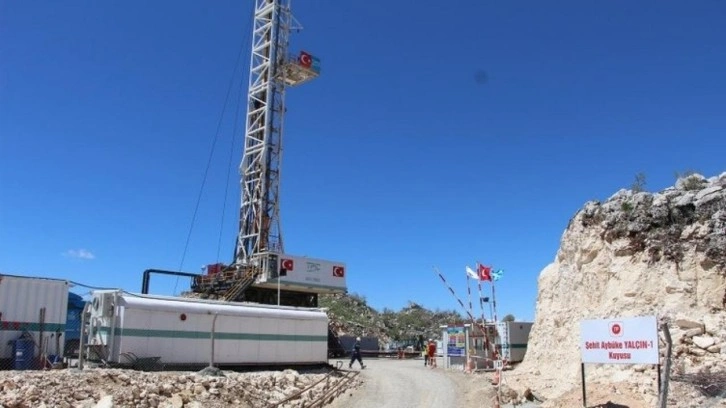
[
  {"x": 494, "y": 302},
  {"x": 468, "y": 288},
  {"x": 482, "y": 275},
  {"x": 491, "y": 311},
  {"x": 471, "y": 317},
  {"x": 481, "y": 300},
  {"x": 485, "y": 346}
]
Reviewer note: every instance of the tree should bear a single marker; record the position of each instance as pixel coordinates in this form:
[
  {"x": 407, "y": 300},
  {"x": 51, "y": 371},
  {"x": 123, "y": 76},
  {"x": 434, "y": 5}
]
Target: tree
[
  {"x": 638, "y": 185},
  {"x": 508, "y": 318}
]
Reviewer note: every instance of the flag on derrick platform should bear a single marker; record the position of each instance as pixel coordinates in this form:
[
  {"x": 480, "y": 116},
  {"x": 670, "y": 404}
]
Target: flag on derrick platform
[{"x": 496, "y": 275}]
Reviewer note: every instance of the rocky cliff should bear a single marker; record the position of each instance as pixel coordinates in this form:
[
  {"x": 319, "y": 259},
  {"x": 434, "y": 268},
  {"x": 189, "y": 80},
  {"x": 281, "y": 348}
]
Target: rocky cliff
[{"x": 637, "y": 253}]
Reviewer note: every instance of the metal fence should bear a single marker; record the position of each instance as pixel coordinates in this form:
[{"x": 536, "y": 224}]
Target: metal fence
[
  {"x": 27, "y": 347},
  {"x": 33, "y": 340}
]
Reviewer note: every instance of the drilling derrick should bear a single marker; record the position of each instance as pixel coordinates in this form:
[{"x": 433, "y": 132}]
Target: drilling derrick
[
  {"x": 259, "y": 230},
  {"x": 259, "y": 260}
]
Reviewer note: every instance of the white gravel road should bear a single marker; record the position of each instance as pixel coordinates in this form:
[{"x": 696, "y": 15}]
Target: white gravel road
[{"x": 392, "y": 383}]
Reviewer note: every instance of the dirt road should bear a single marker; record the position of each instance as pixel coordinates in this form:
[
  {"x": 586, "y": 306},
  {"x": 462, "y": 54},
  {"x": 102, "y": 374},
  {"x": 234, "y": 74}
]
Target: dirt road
[
  {"x": 389, "y": 383},
  {"x": 392, "y": 383}
]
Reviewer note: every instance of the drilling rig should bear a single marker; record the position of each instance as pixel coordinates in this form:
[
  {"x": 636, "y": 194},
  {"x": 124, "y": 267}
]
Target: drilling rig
[{"x": 261, "y": 271}]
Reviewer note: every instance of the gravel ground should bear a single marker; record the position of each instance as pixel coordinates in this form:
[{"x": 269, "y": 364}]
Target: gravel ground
[
  {"x": 390, "y": 383},
  {"x": 116, "y": 388}
]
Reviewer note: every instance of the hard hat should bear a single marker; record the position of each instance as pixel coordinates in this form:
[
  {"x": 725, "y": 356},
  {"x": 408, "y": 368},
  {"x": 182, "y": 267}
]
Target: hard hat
[{"x": 357, "y": 338}]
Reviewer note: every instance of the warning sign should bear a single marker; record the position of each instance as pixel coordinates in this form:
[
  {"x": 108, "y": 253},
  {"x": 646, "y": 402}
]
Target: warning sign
[{"x": 631, "y": 340}]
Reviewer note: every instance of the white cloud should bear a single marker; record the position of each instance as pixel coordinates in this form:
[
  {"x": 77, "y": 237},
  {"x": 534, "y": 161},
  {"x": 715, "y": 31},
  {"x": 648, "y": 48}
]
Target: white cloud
[{"x": 79, "y": 253}]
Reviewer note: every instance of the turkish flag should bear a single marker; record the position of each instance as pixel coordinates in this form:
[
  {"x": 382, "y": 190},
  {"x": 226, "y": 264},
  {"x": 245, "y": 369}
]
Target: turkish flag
[
  {"x": 306, "y": 60},
  {"x": 485, "y": 273},
  {"x": 287, "y": 264},
  {"x": 338, "y": 271}
]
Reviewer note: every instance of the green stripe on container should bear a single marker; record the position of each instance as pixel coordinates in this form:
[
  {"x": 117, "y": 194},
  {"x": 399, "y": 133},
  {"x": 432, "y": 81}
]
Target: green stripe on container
[
  {"x": 178, "y": 334},
  {"x": 517, "y": 345},
  {"x": 31, "y": 326}
]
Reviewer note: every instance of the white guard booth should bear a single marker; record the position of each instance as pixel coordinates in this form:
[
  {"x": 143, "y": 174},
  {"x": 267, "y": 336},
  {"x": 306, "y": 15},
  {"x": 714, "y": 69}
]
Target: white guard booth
[{"x": 176, "y": 331}]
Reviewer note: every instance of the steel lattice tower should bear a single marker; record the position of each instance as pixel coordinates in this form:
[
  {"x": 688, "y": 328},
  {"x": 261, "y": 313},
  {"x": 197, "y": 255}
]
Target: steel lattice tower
[{"x": 271, "y": 70}]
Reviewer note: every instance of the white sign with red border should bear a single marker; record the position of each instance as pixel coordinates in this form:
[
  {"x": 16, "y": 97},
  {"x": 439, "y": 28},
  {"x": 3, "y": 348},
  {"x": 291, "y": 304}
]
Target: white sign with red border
[{"x": 631, "y": 340}]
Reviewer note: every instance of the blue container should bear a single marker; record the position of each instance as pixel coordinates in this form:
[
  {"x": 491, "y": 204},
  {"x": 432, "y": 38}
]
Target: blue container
[
  {"x": 73, "y": 318},
  {"x": 23, "y": 354}
]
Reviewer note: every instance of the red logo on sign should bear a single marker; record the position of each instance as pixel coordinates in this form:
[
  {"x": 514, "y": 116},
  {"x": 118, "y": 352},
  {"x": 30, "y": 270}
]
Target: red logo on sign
[
  {"x": 338, "y": 271},
  {"x": 287, "y": 264},
  {"x": 616, "y": 329}
]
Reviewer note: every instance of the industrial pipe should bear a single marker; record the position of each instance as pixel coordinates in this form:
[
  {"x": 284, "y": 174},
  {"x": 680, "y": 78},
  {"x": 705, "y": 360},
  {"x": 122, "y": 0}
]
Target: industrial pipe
[{"x": 148, "y": 272}]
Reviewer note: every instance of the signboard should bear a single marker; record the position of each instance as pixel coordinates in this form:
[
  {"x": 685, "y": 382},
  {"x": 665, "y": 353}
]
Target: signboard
[
  {"x": 456, "y": 345},
  {"x": 631, "y": 340},
  {"x": 314, "y": 273}
]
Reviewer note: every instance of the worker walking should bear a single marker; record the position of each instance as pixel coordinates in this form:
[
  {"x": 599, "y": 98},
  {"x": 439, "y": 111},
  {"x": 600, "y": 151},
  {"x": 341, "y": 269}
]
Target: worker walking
[
  {"x": 356, "y": 354},
  {"x": 432, "y": 353}
]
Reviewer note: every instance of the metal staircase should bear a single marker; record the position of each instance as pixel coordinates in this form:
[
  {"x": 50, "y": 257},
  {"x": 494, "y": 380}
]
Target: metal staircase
[{"x": 239, "y": 287}]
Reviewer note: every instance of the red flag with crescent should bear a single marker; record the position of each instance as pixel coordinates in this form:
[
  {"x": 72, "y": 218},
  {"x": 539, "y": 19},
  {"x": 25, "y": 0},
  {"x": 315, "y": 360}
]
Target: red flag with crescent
[
  {"x": 485, "y": 273},
  {"x": 305, "y": 59}
]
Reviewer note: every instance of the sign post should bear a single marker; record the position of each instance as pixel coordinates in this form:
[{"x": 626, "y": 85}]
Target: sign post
[
  {"x": 467, "y": 329},
  {"x": 632, "y": 340},
  {"x": 444, "y": 342}
]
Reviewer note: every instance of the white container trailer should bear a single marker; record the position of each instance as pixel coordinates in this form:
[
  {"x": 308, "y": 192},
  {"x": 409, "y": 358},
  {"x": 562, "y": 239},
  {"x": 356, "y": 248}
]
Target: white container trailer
[
  {"x": 22, "y": 302},
  {"x": 176, "y": 331}
]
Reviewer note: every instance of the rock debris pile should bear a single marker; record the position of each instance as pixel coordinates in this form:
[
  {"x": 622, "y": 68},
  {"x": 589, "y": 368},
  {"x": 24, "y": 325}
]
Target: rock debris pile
[{"x": 116, "y": 388}]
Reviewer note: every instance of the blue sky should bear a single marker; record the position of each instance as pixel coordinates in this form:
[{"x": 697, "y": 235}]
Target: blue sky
[{"x": 396, "y": 159}]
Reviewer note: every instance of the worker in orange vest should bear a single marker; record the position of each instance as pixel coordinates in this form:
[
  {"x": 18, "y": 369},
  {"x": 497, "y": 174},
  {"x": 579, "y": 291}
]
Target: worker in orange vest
[{"x": 432, "y": 353}]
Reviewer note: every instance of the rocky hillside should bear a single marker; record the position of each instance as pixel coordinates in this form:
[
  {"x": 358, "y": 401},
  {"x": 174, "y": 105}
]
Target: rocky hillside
[
  {"x": 637, "y": 253},
  {"x": 350, "y": 314}
]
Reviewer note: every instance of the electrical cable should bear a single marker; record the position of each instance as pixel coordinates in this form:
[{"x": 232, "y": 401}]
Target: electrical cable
[
  {"x": 242, "y": 47},
  {"x": 229, "y": 168}
]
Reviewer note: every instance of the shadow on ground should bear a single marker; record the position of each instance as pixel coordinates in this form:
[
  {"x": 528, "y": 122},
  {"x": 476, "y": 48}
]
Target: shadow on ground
[{"x": 609, "y": 405}]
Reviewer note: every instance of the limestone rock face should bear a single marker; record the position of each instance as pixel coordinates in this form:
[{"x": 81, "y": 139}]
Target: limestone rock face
[{"x": 635, "y": 254}]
